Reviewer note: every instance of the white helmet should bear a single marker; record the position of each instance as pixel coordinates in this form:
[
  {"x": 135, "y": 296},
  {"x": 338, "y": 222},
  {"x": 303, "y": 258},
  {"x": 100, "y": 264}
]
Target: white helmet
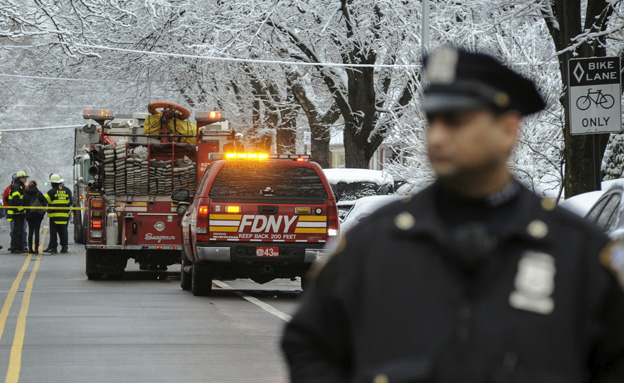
[
  {"x": 55, "y": 178},
  {"x": 238, "y": 136}
]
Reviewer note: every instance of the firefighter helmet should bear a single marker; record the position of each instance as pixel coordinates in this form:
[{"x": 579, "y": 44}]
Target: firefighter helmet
[
  {"x": 21, "y": 174},
  {"x": 55, "y": 178}
]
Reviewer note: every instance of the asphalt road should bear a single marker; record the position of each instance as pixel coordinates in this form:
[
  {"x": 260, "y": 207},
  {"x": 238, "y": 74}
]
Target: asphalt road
[{"x": 57, "y": 326}]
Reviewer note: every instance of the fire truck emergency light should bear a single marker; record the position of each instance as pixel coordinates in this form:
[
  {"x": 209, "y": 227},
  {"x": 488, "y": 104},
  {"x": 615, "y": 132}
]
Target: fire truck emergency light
[
  {"x": 246, "y": 156},
  {"x": 98, "y": 114},
  {"x": 257, "y": 156},
  {"x": 211, "y": 116},
  {"x": 233, "y": 209}
]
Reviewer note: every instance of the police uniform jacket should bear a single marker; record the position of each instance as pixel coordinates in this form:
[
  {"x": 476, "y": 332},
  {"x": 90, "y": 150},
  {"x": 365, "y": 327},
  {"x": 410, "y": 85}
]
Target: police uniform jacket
[
  {"x": 401, "y": 302},
  {"x": 58, "y": 197},
  {"x": 16, "y": 198}
]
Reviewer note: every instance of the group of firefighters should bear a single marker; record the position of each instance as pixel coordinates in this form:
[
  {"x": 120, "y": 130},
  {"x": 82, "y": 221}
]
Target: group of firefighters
[{"x": 26, "y": 204}]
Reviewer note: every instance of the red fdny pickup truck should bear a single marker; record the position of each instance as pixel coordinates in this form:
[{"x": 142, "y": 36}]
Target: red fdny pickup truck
[{"x": 256, "y": 216}]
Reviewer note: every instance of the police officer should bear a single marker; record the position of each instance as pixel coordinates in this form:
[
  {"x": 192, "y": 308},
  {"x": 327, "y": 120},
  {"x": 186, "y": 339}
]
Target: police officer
[
  {"x": 57, "y": 197},
  {"x": 473, "y": 279},
  {"x": 17, "y": 214}
]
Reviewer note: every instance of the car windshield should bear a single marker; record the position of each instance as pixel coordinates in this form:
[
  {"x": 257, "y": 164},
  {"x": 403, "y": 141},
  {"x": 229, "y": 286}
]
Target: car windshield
[
  {"x": 267, "y": 179},
  {"x": 605, "y": 212}
]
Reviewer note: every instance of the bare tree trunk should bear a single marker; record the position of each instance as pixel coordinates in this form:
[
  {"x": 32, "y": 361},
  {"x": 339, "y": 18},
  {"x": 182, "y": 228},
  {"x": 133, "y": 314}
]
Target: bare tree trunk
[
  {"x": 583, "y": 154},
  {"x": 286, "y": 138},
  {"x": 320, "y": 134}
]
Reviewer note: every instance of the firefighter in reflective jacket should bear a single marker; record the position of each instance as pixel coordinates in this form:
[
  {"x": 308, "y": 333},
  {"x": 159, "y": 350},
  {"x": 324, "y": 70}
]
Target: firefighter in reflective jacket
[
  {"x": 17, "y": 214},
  {"x": 57, "y": 197}
]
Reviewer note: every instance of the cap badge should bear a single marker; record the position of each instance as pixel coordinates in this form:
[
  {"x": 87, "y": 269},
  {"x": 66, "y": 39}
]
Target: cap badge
[
  {"x": 441, "y": 66},
  {"x": 534, "y": 282},
  {"x": 501, "y": 99}
]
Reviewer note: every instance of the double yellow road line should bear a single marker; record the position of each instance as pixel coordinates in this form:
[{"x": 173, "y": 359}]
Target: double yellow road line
[{"x": 15, "y": 361}]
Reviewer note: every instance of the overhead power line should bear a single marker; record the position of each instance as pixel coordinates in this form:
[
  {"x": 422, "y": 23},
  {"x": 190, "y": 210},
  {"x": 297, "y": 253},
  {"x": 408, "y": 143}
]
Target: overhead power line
[
  {"x": 41, "y": 128},
  {"x": 255, "y": 61},
  {"x": 58, "y": 78}
]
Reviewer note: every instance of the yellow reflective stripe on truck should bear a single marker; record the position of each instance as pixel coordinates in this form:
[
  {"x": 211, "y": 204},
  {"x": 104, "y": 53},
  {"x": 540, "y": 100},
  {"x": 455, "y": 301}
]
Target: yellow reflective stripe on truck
[
  {"x": 229, "y": 229},
  {"x": 309, "y": 230},
  {"x": 312, "y": 218},
  {"x": 227, "y": 216}
]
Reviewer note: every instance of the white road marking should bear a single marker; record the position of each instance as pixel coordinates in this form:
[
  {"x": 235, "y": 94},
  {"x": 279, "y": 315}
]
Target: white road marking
[{"x": 266, "y": 307}]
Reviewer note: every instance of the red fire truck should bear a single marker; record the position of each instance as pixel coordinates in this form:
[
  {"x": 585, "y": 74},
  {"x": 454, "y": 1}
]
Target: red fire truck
[{"x": 134, "y": 164}]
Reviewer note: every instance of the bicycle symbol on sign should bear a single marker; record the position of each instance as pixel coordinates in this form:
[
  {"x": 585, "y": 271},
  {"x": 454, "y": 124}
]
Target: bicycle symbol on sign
[{"x": 606, "y": 101}]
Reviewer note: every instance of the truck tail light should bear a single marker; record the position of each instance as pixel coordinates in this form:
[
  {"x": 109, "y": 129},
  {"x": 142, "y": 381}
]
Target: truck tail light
[
  {"x": 97, "y": 207},
  {"x": 332, "y": 221},
  {"x": 202, "y": 218},
  {"x": 203, "y": 213}
]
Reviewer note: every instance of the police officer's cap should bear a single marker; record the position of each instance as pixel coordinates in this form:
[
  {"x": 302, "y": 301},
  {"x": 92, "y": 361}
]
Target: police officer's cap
[{"x": 462, "y": 80}]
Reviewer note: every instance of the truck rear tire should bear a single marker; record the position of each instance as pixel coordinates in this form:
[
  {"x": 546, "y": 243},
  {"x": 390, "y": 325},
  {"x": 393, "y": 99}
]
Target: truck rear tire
[
  {"x": 91, "y": 264},
  {"x": 305, "y": 283},
  {"x": 185, "y": 277},
  {"x": 95, "y": 276},
  {"x": 201, "y": 283},
  {"x": 78, "y": 228}
]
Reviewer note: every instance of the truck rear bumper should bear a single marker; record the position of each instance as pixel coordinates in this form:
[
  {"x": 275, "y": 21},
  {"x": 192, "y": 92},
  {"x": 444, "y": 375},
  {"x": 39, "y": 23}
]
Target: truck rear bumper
[
  {"x": 224, "y": 254},
  {"x": 134, "y": 247},
  {"x": 102, "y": 258}
]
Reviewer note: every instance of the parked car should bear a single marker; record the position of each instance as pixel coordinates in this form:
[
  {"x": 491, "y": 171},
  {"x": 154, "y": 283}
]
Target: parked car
[
  {"x": 608, "y": 211},
  {"x": 581, "y": 203},
  {"x": 350, "y": 185},
  {"x": 365, "y": 206}
]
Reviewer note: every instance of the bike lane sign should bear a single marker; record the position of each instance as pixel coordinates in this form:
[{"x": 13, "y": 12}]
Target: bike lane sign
[{"x": 595, "y": 95}]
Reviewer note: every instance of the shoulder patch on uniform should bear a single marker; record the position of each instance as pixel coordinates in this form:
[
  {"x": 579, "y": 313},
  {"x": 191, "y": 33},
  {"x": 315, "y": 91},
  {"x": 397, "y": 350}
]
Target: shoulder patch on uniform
[{"x": 612, "y": 258}]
